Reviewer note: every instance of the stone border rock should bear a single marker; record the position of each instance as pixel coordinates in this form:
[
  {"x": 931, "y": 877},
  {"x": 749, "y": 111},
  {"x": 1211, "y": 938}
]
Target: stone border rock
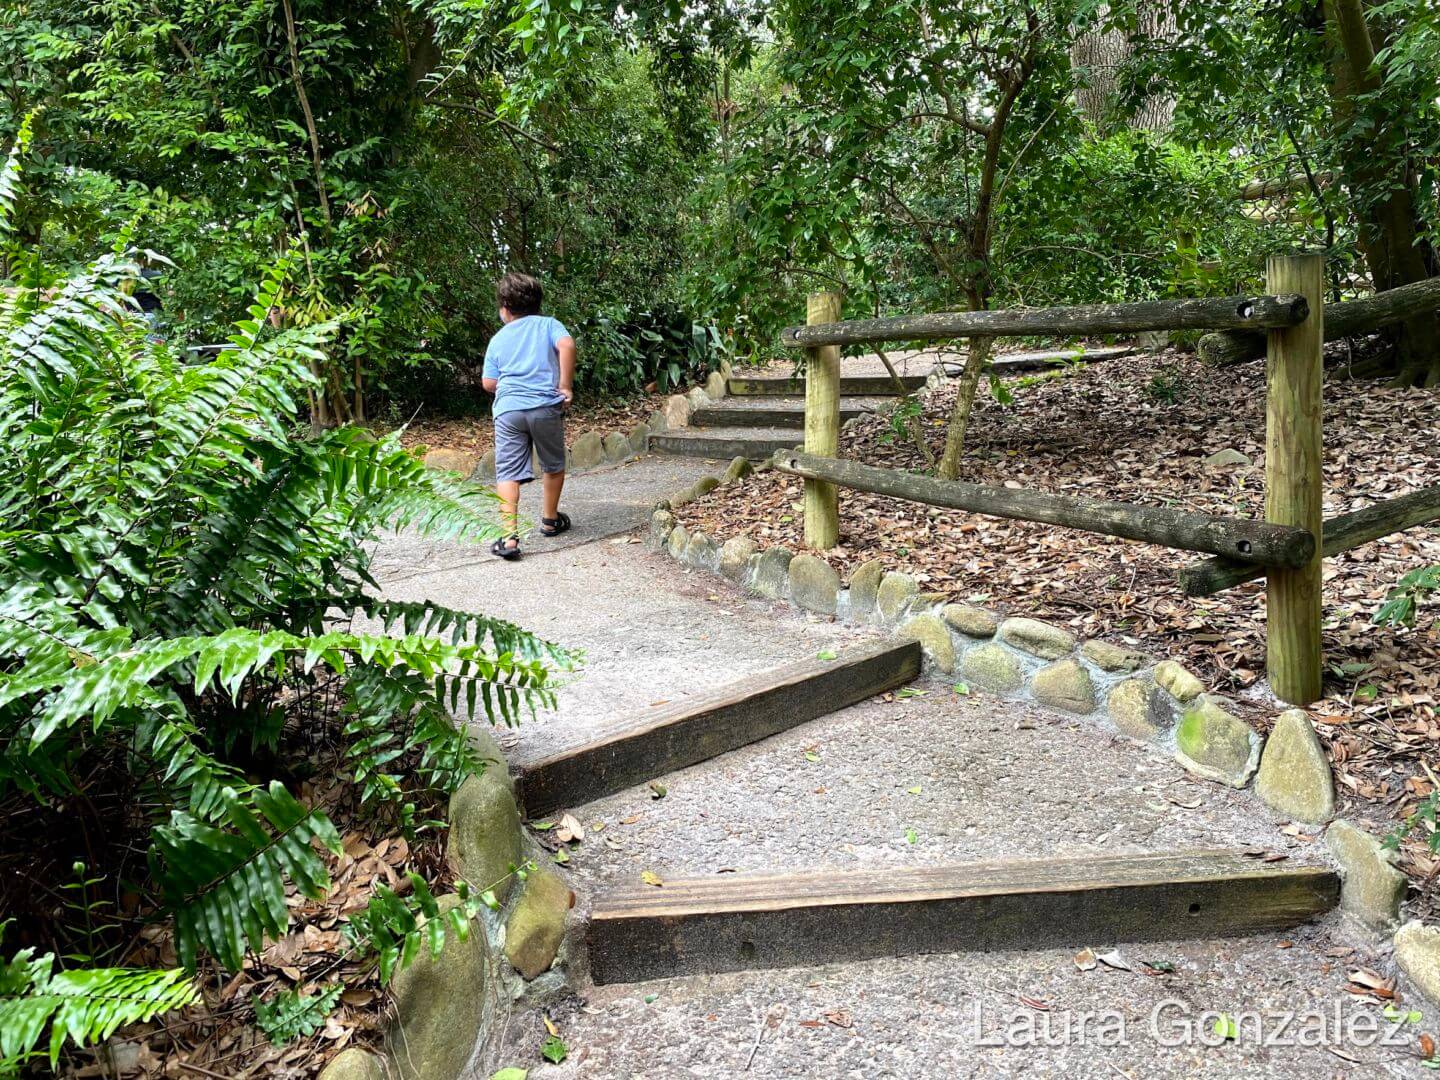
[
  {"x": 1159, "y": 704},
  {"x": 445, "y": 1006},
  {"x": 591, "y": 449}
]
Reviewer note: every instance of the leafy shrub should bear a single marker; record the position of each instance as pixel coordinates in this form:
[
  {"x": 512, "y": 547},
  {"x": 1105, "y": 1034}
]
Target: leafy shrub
[
  {"x": 177, "y": 571},
  {"x": 624, "y": 350},
  {"x": 1403, "y": 601}
]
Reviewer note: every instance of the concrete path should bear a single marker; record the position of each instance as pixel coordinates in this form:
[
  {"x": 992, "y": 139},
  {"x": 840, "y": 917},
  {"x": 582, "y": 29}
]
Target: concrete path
[{"x": 994, "y": 780}]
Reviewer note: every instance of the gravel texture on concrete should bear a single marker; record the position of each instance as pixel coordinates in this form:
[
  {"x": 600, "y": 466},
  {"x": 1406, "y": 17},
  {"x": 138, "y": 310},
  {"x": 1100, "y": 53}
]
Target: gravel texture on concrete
[{"x": 995, "y": 780}]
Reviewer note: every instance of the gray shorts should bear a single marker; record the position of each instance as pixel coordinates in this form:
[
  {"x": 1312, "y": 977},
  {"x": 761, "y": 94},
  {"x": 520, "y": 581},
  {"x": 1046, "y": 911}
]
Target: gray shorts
[{"x": 517, "y": 432}]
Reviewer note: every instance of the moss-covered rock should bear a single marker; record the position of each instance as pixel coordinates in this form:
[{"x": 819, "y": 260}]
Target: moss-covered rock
[
  {"x": 705, "y": 485},
  {"x": 1131, "y": 705},
  {"x": 715, "y": 387},
  {"x": 895, "y": 595},
  {"x": 485, "y": 838},
  {"x": 639, "y": 438},
  {"x": 587, "y": 451},
  {"x": 617, "y": 446},
  {"x": 701, "y": 552},
  {"x": 1216, "y": 745},
  {"x": 814, "y": 584},
  {"x": 1371, "y": 889},
  {"x": 1037, "y": 638},
  {"x": 992, "y": 667},
  {"x": 677, "y": 540},
  {"x": 738, "y": 468},
  {"x": 457, "y": 461},
  {"x": 1174, "y": 679},
  {"x": 934, "y": 637},
  {"x": 354, "y": 1063},
  {"x": 439, "y": 1007},
  {"x": 772, "y": 574},
  {"x": 661, "y": 522},
  {"x": 1294, "y": 777},
  {"x": 1417, "y": 951},
  {"x": 971, "y": 621},
  {"x": 735, "y": 557},
  {"x": 484, "y": 470},
  {"x": 1113, "y": 658},
  {"x": 698, "y": 398},
  {"x": 865, "y": 587},
  {"x": 1064, "y": 685},
  {"x": 676, "y": 413},
  {"x": 536, "y": 925}
]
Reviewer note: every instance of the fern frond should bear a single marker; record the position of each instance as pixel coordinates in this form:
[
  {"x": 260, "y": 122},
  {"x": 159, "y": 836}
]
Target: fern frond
[
  {"x": 291, "y": 1015},
  {"x": 84, "y": 1005},
  {"x": 226, "y": 887},
  {"x": 10, "y": 173}
]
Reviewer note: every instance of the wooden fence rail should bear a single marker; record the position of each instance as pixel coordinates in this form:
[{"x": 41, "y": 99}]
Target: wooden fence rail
[
  {"x": 1285, "y": 547},
  {"x": 1206, "y": 313},
  {"x": 1255, "y": 542},
  {"x": 1210, "y": 576}
]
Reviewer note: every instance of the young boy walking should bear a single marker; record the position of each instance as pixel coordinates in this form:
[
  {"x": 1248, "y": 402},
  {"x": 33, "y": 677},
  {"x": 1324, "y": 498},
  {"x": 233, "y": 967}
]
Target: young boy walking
[{"x": 530, "y": 368}]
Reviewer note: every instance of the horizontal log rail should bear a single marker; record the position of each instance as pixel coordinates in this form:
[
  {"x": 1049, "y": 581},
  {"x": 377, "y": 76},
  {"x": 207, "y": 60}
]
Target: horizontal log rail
[
  {"x": 1210, "y": 576},
  {"x": 1248, "y": 541},
  {"x": 1350, "y": 319},
  {"x": 1204, "y": 313}
]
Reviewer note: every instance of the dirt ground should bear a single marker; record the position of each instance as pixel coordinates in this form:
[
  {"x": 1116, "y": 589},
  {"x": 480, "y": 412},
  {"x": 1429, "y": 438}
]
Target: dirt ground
[{"x": 1139, "y": 429}]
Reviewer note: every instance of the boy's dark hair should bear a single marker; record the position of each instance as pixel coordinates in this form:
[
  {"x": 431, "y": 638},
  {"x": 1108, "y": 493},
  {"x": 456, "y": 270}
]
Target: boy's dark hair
[{"x": 519, "y": 294}]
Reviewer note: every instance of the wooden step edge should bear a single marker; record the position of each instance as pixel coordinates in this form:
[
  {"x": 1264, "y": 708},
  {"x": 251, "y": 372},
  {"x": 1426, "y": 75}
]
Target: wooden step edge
[
  {"x": 638, "y": 749},
  {"x": 841, "y": 916}
]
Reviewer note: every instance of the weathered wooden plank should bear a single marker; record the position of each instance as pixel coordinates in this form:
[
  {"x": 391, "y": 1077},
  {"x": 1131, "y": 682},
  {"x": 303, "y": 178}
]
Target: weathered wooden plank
[
  {"x": 1204, "y": 313},
  {"x": 1341, "y": 321},
  {"x": 1210, "y": 576},
  {"x": 737, "y": 923},
  {"x": 1250, "y": 541},
  {"x": 635, "y": 749},
  {"x": 850, "y": 386},
  {"x": 757, "y": 446}
]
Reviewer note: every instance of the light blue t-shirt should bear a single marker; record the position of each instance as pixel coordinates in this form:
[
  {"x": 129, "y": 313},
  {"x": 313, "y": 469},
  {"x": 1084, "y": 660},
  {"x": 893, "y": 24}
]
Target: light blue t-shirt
[{"x": 522, "y": 358}]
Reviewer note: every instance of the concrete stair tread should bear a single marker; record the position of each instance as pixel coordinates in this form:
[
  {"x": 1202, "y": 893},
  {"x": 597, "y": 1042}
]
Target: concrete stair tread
[
  {"x": 756, "y": 443},
  {"x": 776, "y": 412},
  {"x": 850, "y": 385}
]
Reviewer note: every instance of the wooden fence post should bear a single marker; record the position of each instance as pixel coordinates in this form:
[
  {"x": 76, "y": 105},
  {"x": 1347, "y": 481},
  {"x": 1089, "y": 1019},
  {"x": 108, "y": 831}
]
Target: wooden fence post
[
  {"x": 822, "y": 424},
  {"x": 1294, "y": 483}
]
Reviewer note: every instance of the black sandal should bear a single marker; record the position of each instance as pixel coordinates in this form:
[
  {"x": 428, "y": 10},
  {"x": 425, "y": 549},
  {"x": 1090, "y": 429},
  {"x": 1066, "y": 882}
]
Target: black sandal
[
  {"x": 556, "y": 525},
  {"x": 503, "y": 550}
]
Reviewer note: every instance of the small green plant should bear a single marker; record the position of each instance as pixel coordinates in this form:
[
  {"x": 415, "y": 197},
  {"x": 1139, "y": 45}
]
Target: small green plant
[
  {"x": 1165, "y": 385},
  {"x": 1403, "y": 601},
  {"x": 291, "y": 1014},
  {"x": 1424, "y": 815},
  {"x": 554, "y": 1050},
  {"x": 901, "y": 420}
]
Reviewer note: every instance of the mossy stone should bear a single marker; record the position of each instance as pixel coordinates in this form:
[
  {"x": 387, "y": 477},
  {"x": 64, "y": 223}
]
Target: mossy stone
[
  {"x": 1177, "y": 681},
  {"x": 1294, "y": 778},
  {"x": 1064, "y": 685},
  {"x": 895, "y": 594},
  {"x": 1131, "y": 708},
  {"x": 1417, "y": 951},
  {"x": 1213, "y": 744},
  {"x": 458, "y": 461},
  {"x": 639, "y": 438},
  {"x": 354, "y": 1063},
  {"x": 865, "y": 587},
  {"x": 1112, "y": 658},
  {"x": 485, "y": 838},
  {"x": 677, "y": 540},
  {"x": 536, "y": 925},
  {"x": 617, "y": 446},
  {"x": 439, "y": 1006},
  {"x": 739, "y": 468},
  {"x": 1371, "y": 887},
  {"x": 587, "y": 451},
  {"x": 735, "y": 557},
  {"x": 772, "y": 574},
  {"x": 1037, "y": 638},
  {"x": 814, "y": 584},
  {"x": 971, "y": 621},
  {"x": 701, "y": 552},
  {"x": 661, "y": 522},
  {"x": 934, "y": 637},
  {"x": 992, "y": 667}
]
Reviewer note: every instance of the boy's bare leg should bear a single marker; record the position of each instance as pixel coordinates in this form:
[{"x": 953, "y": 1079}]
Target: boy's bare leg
[
  {"x": 551, "y": 486},
  {"x": 509, "y": 492}
]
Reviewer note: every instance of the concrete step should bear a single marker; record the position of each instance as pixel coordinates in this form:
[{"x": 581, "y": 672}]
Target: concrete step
[
  {"x": 739, "y": 923},
  {"x": 768, "y": 411},
  {"x": 635, "y": 749},
  {"x": 757, "y": 444},
  {"x": 850, "y": 386}
]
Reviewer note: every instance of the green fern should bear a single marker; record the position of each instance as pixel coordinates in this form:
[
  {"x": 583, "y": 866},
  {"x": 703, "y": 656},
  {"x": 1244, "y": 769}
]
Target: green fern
[
  {"x": 84, "y": 1006},
  {"x": 292, "y": 1015},
  {"x": 394, "y": 928},
  {"x": 226, "y": 887}
]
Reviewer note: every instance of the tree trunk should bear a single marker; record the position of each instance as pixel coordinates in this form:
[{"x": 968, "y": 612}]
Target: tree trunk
[
  {"x": 1389, "y": 236},
  {"x": 975, "y": 359},
  {"x": 1097, "y": 58}
]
